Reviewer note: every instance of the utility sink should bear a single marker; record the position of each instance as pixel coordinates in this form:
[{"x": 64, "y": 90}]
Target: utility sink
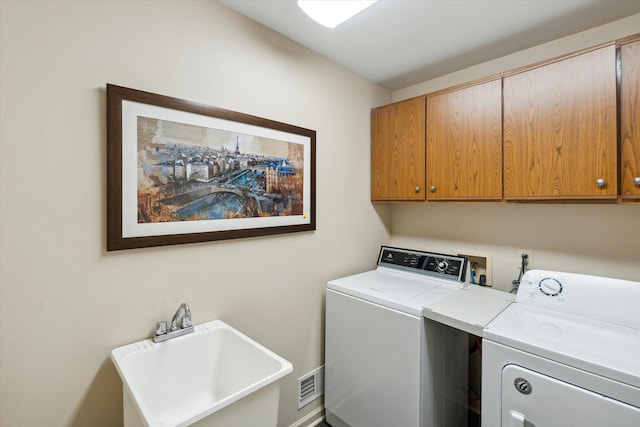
[{"x": 209, "y": 377}]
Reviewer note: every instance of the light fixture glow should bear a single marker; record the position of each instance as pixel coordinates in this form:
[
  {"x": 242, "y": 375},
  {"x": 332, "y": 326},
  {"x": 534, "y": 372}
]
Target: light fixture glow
[{"x": 332, "y": 13}]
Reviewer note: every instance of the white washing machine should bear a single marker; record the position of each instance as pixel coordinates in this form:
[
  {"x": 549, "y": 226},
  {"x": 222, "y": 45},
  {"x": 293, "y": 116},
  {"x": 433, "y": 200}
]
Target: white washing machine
[
  {"x": 565, "y": 353},
  {"x": 385, "y": 364}
]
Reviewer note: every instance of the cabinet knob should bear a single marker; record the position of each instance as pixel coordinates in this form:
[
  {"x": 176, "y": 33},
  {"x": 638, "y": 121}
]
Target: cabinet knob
[
  {"x": 636, "y": 180},
  {"x": 600, "y": 182},
  {"x": 433, "y": 189},
  {"x": 417, "y": 188}
]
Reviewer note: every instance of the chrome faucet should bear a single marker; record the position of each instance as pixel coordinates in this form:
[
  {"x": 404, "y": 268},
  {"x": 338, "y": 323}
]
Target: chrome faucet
[
  {"x": 186, "y": 317},
  {"x": 185, "y": 325}
]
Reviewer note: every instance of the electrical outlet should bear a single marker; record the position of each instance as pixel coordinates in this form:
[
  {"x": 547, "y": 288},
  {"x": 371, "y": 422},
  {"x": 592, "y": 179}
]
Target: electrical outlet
[{"x": 529, "y": 253}]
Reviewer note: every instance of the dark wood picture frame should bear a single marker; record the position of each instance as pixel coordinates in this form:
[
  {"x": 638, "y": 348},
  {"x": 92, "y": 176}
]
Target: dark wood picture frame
[{"x": 122, "y": 215}]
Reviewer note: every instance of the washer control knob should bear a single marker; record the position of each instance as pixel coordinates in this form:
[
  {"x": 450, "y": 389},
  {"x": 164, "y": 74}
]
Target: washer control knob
[
  {"x": 636, "y": 180},
  {"x": 550, "y": 287},
  {"x": 601, "y": 182},
  {"x": 442, "y": 265}
]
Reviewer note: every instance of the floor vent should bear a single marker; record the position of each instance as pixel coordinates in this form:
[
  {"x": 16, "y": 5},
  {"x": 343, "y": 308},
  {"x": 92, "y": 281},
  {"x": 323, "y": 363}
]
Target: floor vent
[{"x": 310, "y": 386}]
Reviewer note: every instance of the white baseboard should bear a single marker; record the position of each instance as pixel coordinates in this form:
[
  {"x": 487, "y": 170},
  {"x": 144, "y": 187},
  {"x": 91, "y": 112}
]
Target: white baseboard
[{"x": 312, "y": 419}]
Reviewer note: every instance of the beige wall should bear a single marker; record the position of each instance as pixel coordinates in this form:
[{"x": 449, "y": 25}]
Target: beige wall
[
  {"x": 65, "y": 301},
  {"x": 583, "y": 238}
]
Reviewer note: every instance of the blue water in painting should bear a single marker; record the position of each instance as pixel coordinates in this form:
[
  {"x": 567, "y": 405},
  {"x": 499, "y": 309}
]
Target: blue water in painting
[
  {"x": 214, "y": 206},
  {"x": 247, "y": 179}
]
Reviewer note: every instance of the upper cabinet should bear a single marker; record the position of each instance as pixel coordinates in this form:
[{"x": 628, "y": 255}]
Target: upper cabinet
[
  {"x": 464, "y": 143},
  {"x": 629, "y": 74},
  {"x": 397, "y": 151},
  {"x": 566, "y": 129},
  {"x": 559, "y": 129}
]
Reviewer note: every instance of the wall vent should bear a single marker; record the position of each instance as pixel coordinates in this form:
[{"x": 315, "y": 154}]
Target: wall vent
[{"x": 310, "y": 386}]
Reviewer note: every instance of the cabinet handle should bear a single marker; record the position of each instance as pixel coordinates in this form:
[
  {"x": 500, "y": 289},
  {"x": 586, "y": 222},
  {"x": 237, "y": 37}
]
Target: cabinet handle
[
  {"x": 417, "y": 188},
  {"x": 636, "y": 180},
  {"x": 433, "y": 189},
  {"x": 600, "y": 182}
]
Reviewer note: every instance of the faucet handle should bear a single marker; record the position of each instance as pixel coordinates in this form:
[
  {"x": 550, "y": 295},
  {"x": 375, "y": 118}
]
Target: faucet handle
[
  {"x": 161, "y": 327},
  {"x": 186, "y": 322}
]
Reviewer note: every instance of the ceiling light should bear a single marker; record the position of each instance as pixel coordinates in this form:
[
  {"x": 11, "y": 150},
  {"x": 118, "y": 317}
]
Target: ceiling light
[{"x": 332, "y": 13}]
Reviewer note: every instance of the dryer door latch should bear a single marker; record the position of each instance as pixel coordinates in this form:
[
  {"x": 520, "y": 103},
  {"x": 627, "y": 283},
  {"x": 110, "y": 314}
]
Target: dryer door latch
[{"x": 516, "y": 419}]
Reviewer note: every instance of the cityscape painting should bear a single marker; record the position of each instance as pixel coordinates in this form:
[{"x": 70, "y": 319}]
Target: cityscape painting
[
  {"x": 190, "y": 173},
  {"x": 180, "y": 172}
]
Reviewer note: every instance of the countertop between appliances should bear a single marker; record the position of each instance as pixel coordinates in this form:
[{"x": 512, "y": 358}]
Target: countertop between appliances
[{"x": 469, "y": 309}]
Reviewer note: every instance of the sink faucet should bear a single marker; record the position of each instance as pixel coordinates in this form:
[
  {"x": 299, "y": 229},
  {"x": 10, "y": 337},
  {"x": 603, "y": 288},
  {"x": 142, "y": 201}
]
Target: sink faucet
[
  {"x": 186, "y": 317},
  {"x": 175, "y": 331}
]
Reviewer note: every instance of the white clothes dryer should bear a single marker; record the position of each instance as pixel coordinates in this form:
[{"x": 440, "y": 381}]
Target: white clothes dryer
[
  {"x": 385, "y": 364},
  {"x": 565, "y": 353}
]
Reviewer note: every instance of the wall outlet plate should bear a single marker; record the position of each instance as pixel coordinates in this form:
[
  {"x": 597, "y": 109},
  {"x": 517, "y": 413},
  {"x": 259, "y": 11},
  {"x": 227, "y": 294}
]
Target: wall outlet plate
[{"x": 529, "y": 253}]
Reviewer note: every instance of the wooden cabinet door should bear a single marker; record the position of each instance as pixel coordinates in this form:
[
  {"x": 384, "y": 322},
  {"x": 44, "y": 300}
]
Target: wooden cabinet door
[
  {"x": 559, "y": 129},
  {"x": 397, "y": 151},
  {"x": 630, "y": 120},
  {"x": 464, "y": 143}
]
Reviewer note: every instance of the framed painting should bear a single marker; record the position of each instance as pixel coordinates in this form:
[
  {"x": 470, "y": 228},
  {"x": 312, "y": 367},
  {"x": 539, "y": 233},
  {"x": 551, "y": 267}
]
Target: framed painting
[{"x": 182, "y": 172}]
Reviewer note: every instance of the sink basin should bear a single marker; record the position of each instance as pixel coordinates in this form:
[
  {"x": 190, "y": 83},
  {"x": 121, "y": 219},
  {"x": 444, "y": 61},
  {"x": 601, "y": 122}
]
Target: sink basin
[{"x": 189, "y": 379}]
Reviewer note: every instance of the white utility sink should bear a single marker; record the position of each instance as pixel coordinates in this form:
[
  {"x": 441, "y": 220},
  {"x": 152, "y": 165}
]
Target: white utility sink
[{"x": 207, "y": 377}]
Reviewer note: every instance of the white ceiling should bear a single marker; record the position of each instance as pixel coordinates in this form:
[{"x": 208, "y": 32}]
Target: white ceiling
[{"x": 398, "y": 43}]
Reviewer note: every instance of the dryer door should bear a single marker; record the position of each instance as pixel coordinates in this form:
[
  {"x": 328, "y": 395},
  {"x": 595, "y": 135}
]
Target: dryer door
[{"x": 531, "y": 399}]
